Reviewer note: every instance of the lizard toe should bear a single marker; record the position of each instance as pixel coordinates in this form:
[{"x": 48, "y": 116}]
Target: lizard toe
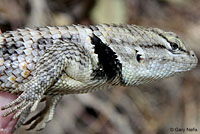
[
  {"x": 42, "y": 118},
  {"x": 21, "y": 119},
  {"x": 19, "y": 112},
  {"x": 13, "y": 103},
  {"x": 11, "y": 110}
]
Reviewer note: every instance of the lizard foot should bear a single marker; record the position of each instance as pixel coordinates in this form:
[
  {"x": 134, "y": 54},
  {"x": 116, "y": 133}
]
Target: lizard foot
[
  {"x": 20, "y": 104},
  {"x": 45, "y": 115},
  {"x": 23, "y": 117}
]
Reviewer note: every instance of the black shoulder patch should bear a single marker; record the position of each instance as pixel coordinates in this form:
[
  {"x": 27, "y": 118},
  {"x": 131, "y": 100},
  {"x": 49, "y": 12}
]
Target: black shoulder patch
[{"x": 109, "y": 65}]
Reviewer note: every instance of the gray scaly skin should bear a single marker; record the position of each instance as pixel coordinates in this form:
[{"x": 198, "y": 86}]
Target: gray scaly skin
[{"x": 47, "y": 63}]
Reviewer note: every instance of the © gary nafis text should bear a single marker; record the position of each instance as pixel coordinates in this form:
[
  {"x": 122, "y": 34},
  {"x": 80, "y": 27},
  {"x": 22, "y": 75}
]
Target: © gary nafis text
[{"x": 183, "y": 129}]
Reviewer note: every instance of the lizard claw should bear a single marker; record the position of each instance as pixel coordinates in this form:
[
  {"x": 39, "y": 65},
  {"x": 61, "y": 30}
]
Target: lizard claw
[
  {"x": 11, "y": 110},
  {"x": 20, "y": 104},
  {"x": 15, "y": 102}
]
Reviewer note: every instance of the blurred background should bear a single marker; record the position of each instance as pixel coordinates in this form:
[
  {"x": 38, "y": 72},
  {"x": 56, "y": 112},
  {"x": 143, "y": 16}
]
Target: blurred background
[{"x": 148, "y": 109}]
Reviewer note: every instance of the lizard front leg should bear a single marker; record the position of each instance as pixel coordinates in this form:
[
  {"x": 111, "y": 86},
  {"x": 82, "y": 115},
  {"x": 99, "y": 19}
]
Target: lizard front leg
[{"x": 48, "y": 69}]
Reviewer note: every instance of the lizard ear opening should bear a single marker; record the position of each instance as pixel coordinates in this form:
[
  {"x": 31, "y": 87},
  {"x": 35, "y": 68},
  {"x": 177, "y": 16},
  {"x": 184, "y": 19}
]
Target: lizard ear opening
[{"x": 139, "y": 56}]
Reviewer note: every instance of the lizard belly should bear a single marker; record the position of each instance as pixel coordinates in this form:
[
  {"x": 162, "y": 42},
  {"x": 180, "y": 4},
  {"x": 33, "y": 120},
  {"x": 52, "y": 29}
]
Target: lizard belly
[
  {"x": 68, "y": 85},
  {"x": 80, "y": 72}
]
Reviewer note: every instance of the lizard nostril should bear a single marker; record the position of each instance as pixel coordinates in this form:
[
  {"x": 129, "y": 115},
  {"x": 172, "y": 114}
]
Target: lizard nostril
[{"x": 192, "y": 54}]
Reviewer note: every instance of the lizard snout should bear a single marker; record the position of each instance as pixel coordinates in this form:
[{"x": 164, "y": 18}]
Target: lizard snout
[{"x": 194, "y": 59}]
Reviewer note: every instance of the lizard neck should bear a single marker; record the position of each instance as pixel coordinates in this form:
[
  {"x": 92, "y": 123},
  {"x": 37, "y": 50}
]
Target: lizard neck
[{"x": 130, "y": 76}]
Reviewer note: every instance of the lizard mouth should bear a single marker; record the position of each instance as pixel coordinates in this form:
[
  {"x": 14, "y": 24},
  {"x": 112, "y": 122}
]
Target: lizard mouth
[{"x": 187, "y": 66}]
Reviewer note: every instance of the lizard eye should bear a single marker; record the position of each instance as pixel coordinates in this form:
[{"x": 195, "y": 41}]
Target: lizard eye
[{"x": 174, "y": 46}]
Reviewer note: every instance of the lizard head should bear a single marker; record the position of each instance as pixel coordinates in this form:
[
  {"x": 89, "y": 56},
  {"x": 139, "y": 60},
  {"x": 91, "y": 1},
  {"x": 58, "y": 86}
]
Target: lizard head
[
  {"x": 160, "y": 54},
  {"x": 181, "y": 58}
]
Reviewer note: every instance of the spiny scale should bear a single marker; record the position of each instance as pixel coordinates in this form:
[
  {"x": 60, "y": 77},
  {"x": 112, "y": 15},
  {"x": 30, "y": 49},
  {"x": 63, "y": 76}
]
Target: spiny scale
[{"x": 54, "y": 61}]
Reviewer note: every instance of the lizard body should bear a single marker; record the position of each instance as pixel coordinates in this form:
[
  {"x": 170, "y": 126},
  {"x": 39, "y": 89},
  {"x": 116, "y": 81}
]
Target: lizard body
[{"x": 54, "y": 61}]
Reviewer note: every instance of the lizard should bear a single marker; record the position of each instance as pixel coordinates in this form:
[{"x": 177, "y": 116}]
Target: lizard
[{"x": 45, "y": 63}]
